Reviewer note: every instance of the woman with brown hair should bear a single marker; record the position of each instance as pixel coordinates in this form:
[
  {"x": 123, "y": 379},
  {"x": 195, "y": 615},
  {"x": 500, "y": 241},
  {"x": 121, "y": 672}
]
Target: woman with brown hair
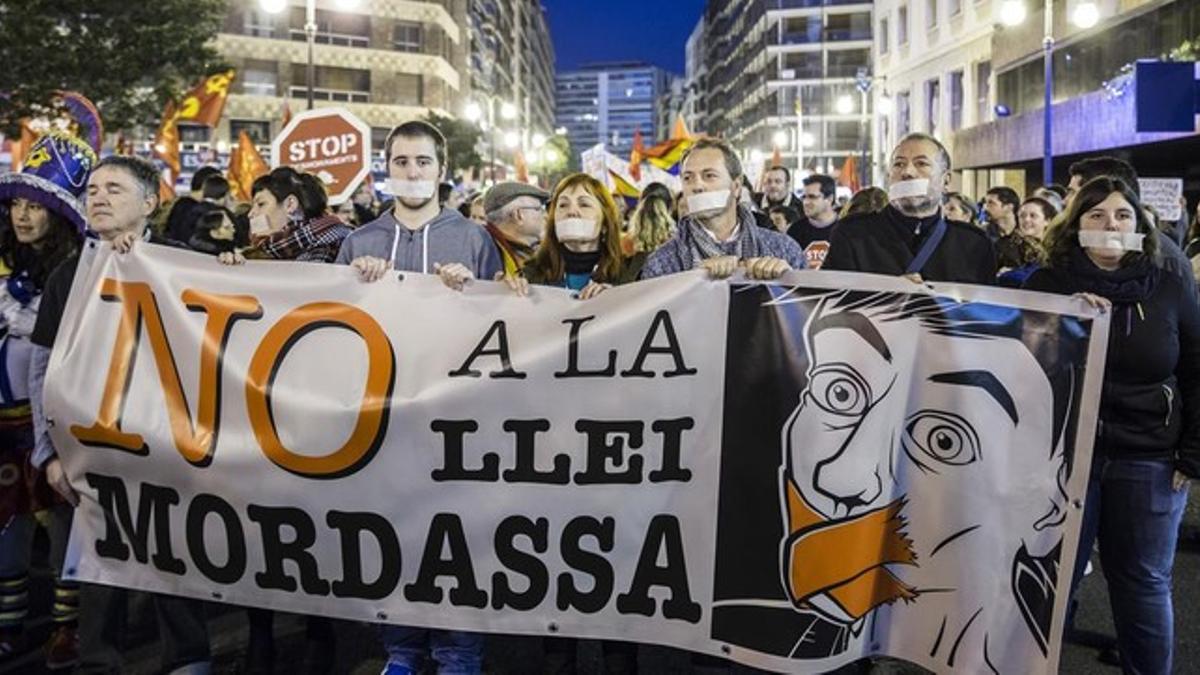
[
  {"x": 1148, "y": 437},
  {"x": 581, "y": 250}
]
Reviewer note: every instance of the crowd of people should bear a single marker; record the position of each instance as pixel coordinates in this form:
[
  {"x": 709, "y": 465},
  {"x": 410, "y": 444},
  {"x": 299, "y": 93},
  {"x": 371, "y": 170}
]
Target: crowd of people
[{"x": 1092, "y": 238}]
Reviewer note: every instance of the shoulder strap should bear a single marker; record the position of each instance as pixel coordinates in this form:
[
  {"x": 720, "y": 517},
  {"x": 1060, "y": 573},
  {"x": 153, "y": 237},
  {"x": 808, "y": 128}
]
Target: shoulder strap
[{"x": 931, "y": 243}]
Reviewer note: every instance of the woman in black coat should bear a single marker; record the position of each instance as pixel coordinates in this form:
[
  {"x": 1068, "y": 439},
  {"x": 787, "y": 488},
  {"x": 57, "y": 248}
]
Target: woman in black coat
[{"x": 1148, "y": 436}]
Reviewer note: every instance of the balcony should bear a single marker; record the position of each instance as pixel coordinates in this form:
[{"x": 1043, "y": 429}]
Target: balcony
[
  {"x": 336, "y": 95},
  {"x": 806, "y": 4},
  {"x": 847, "y": 34},
  {"x": 325, "y": 38}
]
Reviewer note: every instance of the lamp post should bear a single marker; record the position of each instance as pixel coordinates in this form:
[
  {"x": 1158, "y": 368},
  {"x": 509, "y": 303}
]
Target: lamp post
[
  {"x": 474, "y": 113},
  {"x": 1086, "y": 15},
  {"x": 310, "y": 30}
]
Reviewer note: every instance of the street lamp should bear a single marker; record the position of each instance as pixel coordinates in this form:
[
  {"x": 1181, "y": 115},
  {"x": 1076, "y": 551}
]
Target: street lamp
[
  {"x": 1086, "y": 15},
  {"x": 539, "y": 139},
  {"x": 508, "y": 111},
  {"x": 474, "y": 112},
  {"x": 512, "y": 139},
  {"x": 780, "y": 138},
  {"x": 310, "y": 29},
  {"x": 845, "y": 105}
]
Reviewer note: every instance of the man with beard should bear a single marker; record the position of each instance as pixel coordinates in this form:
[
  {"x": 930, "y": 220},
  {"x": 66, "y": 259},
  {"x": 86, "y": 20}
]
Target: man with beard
[
  {"x": 910, "y": 237},
  {"x": 719, "y": 234}
]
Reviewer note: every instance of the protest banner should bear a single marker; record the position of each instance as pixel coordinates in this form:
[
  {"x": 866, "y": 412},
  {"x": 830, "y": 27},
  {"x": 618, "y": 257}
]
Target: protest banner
[{"x": 791, "y": 475}]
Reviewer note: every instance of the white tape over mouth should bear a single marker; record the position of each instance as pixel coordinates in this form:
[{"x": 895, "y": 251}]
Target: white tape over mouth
[
  {"x": 1107, "y": 240},
  {"x": 575, "y": 229},
  {"x": 707, "y": 201},
  {"x": 411, "y": 189},
  {"x": 918, "y": 187}
]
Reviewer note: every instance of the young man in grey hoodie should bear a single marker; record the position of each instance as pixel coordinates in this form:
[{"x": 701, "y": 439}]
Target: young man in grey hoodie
[{"x": 417, "y": 235}]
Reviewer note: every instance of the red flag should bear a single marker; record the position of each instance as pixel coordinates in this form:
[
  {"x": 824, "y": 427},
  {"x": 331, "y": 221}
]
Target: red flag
[
  {"x": 206, "y": 101},
  {"x": 245, "y": 165},
  {"x": 848, "y": 176},
  {"x": 521, "y": 167},
  {"x": 287, "y": 114},
  {"x": 635, "y": 155},
  {"x": 166, "y": 191},
  {"x": 166, "y": 141},
  {"x": 776, "y": 158}
]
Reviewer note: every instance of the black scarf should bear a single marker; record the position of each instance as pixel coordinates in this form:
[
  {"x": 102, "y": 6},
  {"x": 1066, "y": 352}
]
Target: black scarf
[
  {"x": 580, "y": 263},
  {"x": 1133, "y": 282}
]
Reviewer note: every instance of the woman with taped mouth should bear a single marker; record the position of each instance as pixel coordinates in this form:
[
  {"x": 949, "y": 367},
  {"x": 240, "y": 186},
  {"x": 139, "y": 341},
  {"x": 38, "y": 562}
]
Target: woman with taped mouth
[{"x": 1148, "y": 436}]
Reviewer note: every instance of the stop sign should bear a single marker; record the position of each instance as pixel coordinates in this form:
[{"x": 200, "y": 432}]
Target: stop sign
[{"x": 330, "y": 143}]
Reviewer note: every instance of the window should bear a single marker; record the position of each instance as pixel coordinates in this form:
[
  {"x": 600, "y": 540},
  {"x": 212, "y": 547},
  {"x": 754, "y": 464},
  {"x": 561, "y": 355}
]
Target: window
[
  {"x": 931, "y": 13},
  {"x": 933, "y": 104},
  {"x": 194, "y": 133},
  {"x": 883, "y": 36},
  {"x": 332, "y": 84},
  {"x": 406, "y": 36},
  {"x": 903, "y": 114},
  {"x": 408, "y": 89},
  {"x": 983, "y": 91},
  {"x": 902, "y": 25},
  {"x": 955, "y": 7},
  {"x": 258, "y": 24},
  {"x": 956, "y": 100},
  {"x": 258, "y": 130},
  {"x": 259, "y": 78}
]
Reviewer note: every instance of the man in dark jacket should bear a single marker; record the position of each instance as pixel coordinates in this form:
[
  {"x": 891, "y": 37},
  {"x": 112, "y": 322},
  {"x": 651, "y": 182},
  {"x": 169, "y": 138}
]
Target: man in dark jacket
[
  {"x": 186, "y": 210},
  {"x": 911, "y": 228}
]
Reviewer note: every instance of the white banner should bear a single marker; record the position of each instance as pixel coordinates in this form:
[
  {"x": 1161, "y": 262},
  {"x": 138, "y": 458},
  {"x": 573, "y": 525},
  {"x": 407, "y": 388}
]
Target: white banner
[{"x": 791, "y": 476}]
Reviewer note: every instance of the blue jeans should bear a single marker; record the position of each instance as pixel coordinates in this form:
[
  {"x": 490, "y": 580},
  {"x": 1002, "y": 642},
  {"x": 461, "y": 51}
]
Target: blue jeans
[
  {"x": 1133, "y": 511},
  {"x": 455, "y": 652}
]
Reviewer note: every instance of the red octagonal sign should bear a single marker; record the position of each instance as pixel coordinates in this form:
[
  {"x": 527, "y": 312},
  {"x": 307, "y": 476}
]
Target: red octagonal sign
[{"x": 330, "y": 143}]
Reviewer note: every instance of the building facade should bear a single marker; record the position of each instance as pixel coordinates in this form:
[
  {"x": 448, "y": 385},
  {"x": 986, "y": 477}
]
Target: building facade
[
  {"x": 512, "y": 61},
  {"x": 790, "y": 73},
  {"x": 1094, "y": 97},
  {"x": 388, "y": 62},
  {"x": 695, "y": 77},
  {"x": 608, "y": 103}
]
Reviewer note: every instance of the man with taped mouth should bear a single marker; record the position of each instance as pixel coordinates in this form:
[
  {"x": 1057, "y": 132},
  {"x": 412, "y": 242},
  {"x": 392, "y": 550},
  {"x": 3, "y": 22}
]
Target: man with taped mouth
[{"x": 910, "y": 237}]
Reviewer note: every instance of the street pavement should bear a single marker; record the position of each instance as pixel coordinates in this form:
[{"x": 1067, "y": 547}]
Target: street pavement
[{"x": 358, "y": 652}]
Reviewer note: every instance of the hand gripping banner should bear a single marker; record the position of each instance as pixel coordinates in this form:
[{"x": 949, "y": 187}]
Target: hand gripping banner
[{"x": 790, "y": 475}]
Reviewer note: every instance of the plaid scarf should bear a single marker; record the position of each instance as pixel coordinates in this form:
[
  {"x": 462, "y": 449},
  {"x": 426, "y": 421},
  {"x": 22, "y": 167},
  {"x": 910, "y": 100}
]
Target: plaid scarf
[{"x": 702, "y": 245}]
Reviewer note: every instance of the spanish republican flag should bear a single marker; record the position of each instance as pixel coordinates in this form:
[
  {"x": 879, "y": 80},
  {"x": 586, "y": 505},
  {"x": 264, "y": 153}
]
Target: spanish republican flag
[
  {"x": 521, "y": 166},
  {"x": 206, "y": 101},
  {"x": 245, "y": 165}
]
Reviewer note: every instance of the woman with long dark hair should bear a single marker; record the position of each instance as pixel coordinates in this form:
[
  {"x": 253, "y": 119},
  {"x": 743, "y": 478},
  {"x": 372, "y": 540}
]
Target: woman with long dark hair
[
  {"x": 41, "y": 225},
  {"x": 1148, "y": 438}
]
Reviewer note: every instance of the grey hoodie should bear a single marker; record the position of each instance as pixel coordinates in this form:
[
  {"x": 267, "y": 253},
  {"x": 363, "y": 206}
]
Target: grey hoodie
[{"x": 448, "y": 238}]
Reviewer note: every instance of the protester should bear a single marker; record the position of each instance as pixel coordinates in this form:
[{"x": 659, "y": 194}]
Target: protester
[
  {"x": 958, "y": 207},
  {"x": 1171, "y": 258},
  {"x": 582, "y": 247},
  {"x": 215, "y": 192},
  {"x": 1035, "y": 215},
  {"x": 475, "y": 210},
  {"x": 122, "y": 195},
  {"x": 347, "y": 213},
  {"x": 417, "y": 235},
  {"x": 366, "y": 206},
  {"x": 910, "y": 237},
  {"x": 1054, "y": 195},
  {"x": 1000, "y": 204},
  {"x": 782, "y": 217},
  {"x": 41, "y": 225},
  {"x": 867, "y": 200},
  {"x": 516, "y": 221},
  {"x": 1148, "y": 442},
  {"x": 290, "y": 220},
  {"x": 652, "y": 222},
  {"x": 186, "y": 209},
  {"x": 215, "y": 233},
  {"x": 720, "y": 234},
  {"x": 777, "y": 190},
  {"x": 813, "y": 230}
]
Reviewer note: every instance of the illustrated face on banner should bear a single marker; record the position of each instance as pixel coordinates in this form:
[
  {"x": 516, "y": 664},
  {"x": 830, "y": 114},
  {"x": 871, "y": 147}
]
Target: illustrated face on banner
[{"x": 871, "y": 524}]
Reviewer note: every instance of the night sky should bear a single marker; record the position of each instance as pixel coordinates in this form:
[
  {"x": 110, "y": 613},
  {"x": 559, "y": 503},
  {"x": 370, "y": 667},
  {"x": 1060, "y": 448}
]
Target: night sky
[{"x": 621, "y": 30}]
